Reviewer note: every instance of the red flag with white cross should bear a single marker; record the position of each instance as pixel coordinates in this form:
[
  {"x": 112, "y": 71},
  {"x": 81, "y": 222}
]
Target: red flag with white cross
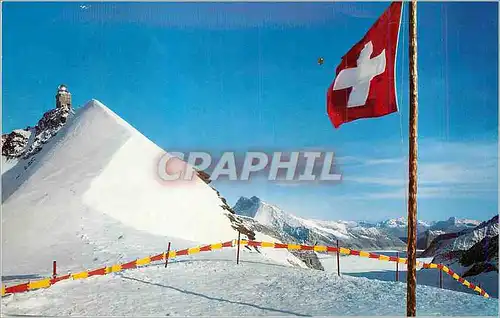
[{"x": 364, "y": 86}]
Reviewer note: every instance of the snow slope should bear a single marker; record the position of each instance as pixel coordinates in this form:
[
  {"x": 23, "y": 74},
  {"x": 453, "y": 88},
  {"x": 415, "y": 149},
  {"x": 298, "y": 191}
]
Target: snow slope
[
  {"x": 91, "y": 195},
  {"x": 7, "y": 164},
  {"x": 213, "y": 285}
]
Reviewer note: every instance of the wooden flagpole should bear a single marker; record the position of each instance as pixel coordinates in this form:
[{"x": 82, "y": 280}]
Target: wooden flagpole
[{"x": 411, "y": 282}]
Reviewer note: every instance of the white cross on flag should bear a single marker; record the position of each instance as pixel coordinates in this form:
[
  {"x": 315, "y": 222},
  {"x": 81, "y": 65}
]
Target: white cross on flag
[{"x": 364, "y": 86}]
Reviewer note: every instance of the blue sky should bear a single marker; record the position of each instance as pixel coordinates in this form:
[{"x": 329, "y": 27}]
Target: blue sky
[{"x": 221, "y": 77}]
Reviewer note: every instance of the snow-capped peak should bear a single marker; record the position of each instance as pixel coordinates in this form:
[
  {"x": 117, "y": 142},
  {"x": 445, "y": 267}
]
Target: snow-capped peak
[
  {"x": 400, "y": 222},
  {"x": 454, "y": 224},
  {"x": 97, "y": 181},
  {"x": 247, "y": 207}
]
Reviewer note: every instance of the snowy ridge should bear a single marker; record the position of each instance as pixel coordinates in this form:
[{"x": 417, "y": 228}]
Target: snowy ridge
[
  {"x": 91, "y": 196},
  {"x": 463, "y": 240},
  {"x": 466, "y": 241}
]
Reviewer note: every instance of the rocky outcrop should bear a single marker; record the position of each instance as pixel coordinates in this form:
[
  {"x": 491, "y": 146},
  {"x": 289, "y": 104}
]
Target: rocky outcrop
[
  {"x": 482, "y": 257},
  {"x": 203, "y": 176},
  {"x": 309, "y": 258},
  {"x": 24, "y": 143},
  {"x": 239, "y": 226},
  {"x": 484, "y": 251},
  {"x": 47, "y": 127},
  {"x": 236, "y": 222},
  {"x": 14, "y": 144},
  {"x": 480, "y": 268}
]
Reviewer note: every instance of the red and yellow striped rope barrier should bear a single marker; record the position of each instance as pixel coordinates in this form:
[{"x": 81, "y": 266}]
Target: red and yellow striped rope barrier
[
  {"x": 45, "y": 283},
  {"x": 346, "y": 251}
]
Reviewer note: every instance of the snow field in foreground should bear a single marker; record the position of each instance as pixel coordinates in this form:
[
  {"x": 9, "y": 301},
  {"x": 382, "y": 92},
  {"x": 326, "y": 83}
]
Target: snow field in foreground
[
  {"x": 382, "y": 270},
  {"x": 216, "y": 286}
]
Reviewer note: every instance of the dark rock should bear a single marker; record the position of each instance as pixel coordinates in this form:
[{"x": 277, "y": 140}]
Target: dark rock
[
  {"x": 14, "y": 144},
  {"x": 204, "y": 176},
  {"x": 483, "y": 251},
  {"x": 479, "y": 268}
]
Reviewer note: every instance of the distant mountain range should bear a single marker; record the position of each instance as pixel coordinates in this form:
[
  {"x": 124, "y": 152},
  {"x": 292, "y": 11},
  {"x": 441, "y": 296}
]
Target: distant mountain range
[
  {"x": 391, "y": 233},
  {"x": 468, "y": 246},
  {"x": 284, "y": 225},
  {"x": 426, "y": 231}
]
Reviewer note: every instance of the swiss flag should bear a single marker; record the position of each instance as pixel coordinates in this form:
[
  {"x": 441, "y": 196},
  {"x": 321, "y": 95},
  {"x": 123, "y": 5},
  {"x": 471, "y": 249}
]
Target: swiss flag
[{"x": 364, "y": 86}]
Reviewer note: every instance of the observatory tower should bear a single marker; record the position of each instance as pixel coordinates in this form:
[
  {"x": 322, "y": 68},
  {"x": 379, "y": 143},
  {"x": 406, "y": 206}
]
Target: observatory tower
[{"x": 63, "y": 97}]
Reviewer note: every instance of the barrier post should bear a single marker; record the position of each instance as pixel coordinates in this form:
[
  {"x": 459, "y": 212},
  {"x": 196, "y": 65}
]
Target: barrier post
[
  {"x": 338, "y": 258},
  {"x": 440, "y": 278},
  {"x": 54, "y": 269},
  {"x": 238, "y": 249},
  {"x": 397, "y": 267},
  {"x": 166, "y": 255}
]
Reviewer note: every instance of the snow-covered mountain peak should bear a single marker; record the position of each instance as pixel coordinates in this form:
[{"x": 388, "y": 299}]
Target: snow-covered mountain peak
[
  {"x": 264, "y": 213},
  {"x": 400, "y": 222},
  {"x": 271, "y": 215},
  {"x": 94, "y": 184},
  {"x": 247, "y": 207},
  {"x": 94, "y": 103},
  {"x": 454, "y": 224}
]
